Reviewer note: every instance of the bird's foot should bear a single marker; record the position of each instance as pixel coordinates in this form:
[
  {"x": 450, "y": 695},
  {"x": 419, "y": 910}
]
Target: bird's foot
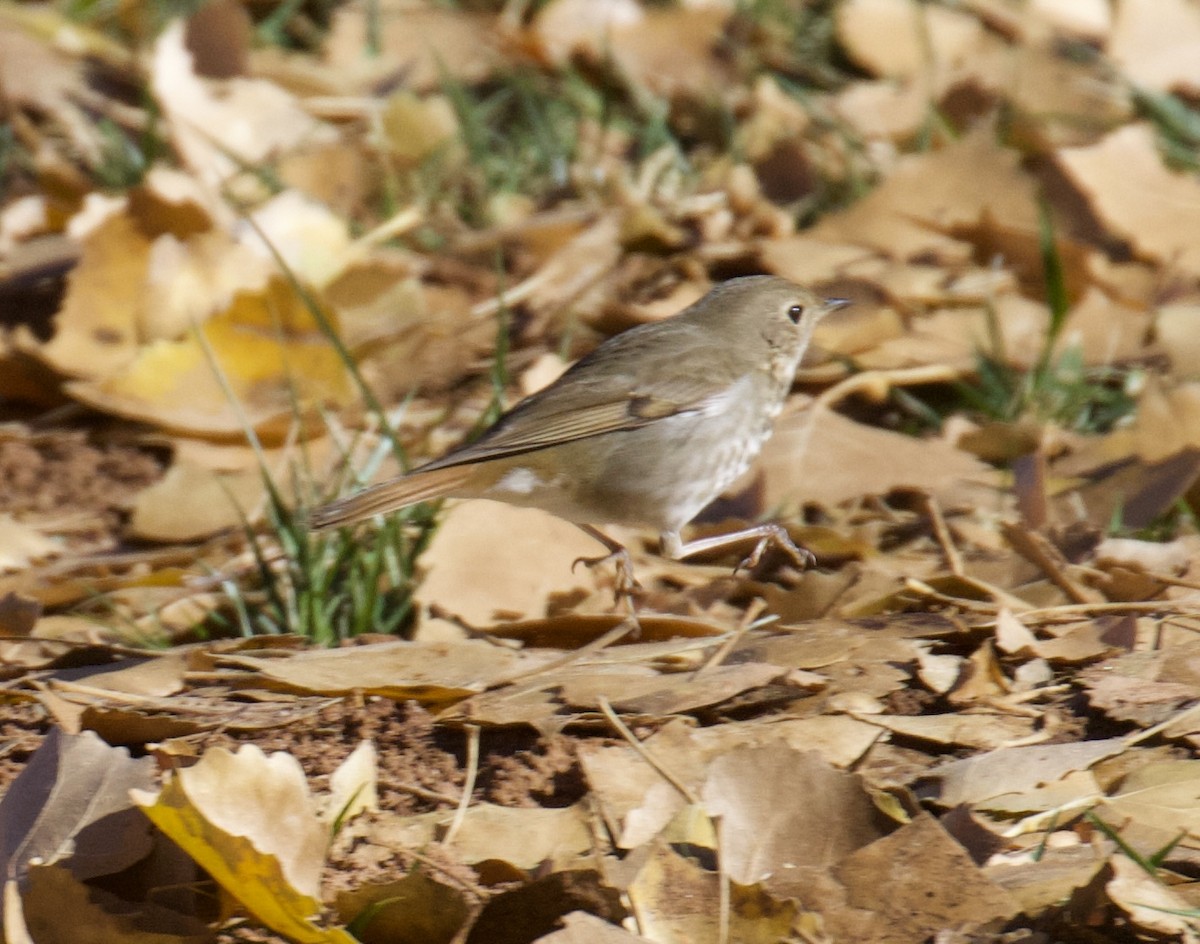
[
  {"x": 769, "y": 535},
  {"x": 776, "y": 536},
  {"x": 626, "y": 582}
]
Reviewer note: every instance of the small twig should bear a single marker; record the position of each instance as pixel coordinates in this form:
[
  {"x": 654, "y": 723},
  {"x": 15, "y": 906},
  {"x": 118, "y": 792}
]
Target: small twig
[
  {"x": 468, "y": 786},
  {"x": 1047, "y": 558},
  {"x": 941, "y": 531},
  {"x": 723, "y": 891},
  {"x": 621, "y": 630},
  {"x": 472, "y": 891},
  {"x": 876, "y": 383},
  {"x": 745, "y": 624},
  {"x": 1069, "y": 612},
  {"x": 972, "y": 606},
  {"x": 684, "y": 790},
  {"x": 418, "y": 791}
]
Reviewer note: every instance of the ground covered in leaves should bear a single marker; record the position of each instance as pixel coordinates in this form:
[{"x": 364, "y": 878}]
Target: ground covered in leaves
[{"x": 259, "y": 255}]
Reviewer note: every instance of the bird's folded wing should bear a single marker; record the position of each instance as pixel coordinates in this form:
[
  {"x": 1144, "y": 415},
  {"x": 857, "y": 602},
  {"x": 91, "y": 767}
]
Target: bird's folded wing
[{"x": 538, "y": 424}]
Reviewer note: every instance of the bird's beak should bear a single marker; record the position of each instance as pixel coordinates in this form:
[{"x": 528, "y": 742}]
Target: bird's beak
[{"x": 833, "y": 304}]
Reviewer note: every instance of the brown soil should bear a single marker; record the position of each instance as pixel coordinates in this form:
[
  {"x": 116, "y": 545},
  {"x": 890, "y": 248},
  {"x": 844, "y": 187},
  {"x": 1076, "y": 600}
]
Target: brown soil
[{"x": 73, "y": 484}]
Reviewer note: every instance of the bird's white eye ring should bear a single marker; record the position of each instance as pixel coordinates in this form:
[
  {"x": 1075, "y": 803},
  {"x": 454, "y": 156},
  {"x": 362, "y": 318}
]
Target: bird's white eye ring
[{"x": 796, "y": 312}]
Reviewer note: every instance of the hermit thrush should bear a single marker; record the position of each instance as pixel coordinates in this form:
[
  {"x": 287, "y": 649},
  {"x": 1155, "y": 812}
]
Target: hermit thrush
[{"x": 645, "y": 430}]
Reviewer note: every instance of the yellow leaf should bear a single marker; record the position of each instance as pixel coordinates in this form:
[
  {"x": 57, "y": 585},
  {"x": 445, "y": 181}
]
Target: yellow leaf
[
  {"x": 268, "y": 350},
  {"x": 249, "y": 821}
]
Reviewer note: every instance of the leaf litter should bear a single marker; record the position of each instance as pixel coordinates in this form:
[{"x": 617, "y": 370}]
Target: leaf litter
[{"x": 976, "y": 719}]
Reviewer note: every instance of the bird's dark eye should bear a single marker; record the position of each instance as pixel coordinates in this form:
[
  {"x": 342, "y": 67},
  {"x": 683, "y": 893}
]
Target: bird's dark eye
[{"x": 796, "y": 312}]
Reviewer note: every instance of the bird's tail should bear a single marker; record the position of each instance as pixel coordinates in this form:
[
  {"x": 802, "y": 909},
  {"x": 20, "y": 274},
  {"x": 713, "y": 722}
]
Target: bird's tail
[{"x": 390, "y": 496}]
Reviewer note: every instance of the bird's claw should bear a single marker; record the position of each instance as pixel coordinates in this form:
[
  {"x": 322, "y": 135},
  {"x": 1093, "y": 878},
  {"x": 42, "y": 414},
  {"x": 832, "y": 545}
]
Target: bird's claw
[
  {"x": 778, "y": 537},
  {"x": 626, "y": 583}
]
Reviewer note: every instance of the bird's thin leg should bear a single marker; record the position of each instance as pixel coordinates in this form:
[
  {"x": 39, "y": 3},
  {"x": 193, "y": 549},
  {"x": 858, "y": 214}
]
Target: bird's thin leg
[
  {"x": 618, "y": 554},
  {"x": 767, "y": 534}
]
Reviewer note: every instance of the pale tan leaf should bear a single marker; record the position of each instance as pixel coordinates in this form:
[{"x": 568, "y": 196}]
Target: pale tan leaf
[
  {"x": 579, "y": 927},
  {"x": 490, "y": 561},
  {"x": 904, "y": 38},
  {"x": 526, "y": 838},
  {"x": 353, "y": 787},
  {"x": 676, "y": 902},
  {"x": 1015, "y": 770},
  {"x": 781, "y": 813},
  {"x": 222, "y": 125},
  {"x": 250, "y": 821},
  {"x": 1137, "y": 197},
  {"x": 1156, "y": 43},
  {"x": 427, "y": 671},
  {"x": 1151, "y": 906}
]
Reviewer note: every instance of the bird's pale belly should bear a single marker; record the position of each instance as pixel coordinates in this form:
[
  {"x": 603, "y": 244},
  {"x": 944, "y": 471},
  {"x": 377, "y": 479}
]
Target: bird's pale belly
[{"x": 658, "y": 476}]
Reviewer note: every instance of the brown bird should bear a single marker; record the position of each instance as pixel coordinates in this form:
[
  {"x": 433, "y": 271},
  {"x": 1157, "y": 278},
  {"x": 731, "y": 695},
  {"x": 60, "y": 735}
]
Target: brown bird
[{"x": 646, "y": 430}]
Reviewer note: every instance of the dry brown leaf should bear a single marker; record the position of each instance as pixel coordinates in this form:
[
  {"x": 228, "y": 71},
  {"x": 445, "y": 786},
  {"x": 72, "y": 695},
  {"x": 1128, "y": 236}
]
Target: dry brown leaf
[
  {"x": 45, "y": 80},
  {"x": 674, "y": 51},
  {"x": 1085, "y": 642},
  {"x": 490, "y": 561},
  {"x": 676, "y": 902},
  {"x": 1146, "y": 687},
  {"x": 1078, "y": 790},
  {"x": 1167, "y": 421},
  {"x": 219, "y": 126},
  {"x": 1157, "y": 44},
  {"x": 929, "y": 195},
  {"x": 918, "y": 881},
  {"x": 956, "y": 336},
  {"x": 1104, "y": 331},
  {"x": 412, "y": 335},
  {"x": 96, "y": 329},
  {"x": 982, "y": 732},
  {"x": 822, "y": 457},
  {"x": 526, "y": 838},
  {"x": 1090, "y": 19},
  {"x": 1150, "y": 905},
  {"x": 838, "y": 739},
  {"x": 634, "y": 798},
  {"x": 22, "y": 545},
  {"x": 313, "y": 242},
  {"x": 676, "y": 694},
  {"x": 413, "y": 908},
  {"x": 1058, "y": 101},
  {"x": 268, "y": 350},
  {"x": 1051, "y": 879},
  {"x": 1175, "y": 329},
  {"x": 422, "y": 43},
  {"x": 70, "y": 806},
  {"x": 1132, "y": 192},
  {"x": 191, "y": 502},
  {"x": 1155, "y": 805},
  {"x": 904, "y": 38},
  {"x": 417, "y": 128},
  {"x": 563, "y": 28},
  {"x": 784, "y": 814},
  {"x": 156, "y": 677},
  {"x": 59, "y": 908},
  {"x": 428, "y": 672},
  {"x": 579, "y": 927},
  {"x": 884, "y": 109},
  {"x": 353, "y": 787},
  {"x": 1014, "y": 770}
]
